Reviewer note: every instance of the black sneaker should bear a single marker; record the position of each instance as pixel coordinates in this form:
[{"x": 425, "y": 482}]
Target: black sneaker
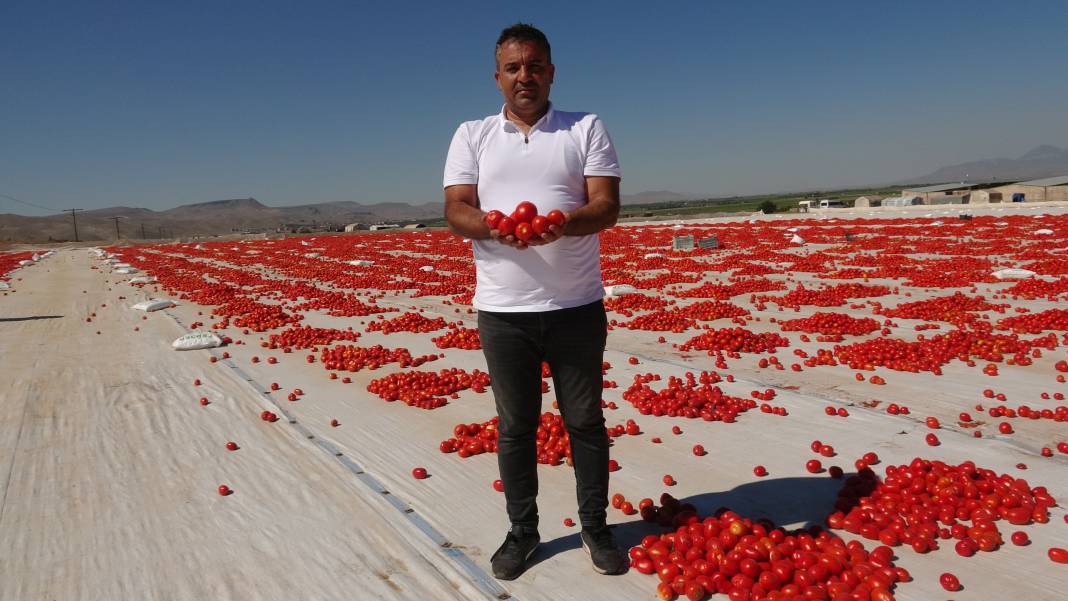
[
  {"x": 606, "y": 556},
  {"x": 510, "y": 560}
]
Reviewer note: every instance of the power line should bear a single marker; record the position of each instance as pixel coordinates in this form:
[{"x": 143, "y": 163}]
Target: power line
[
  {"x": 75, "y": 219},
  {"x": 117, "y": 236},
  {"x": 30, "y": 204}
]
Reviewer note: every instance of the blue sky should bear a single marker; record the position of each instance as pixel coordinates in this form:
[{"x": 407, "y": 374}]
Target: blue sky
[{"x": 157, "y": 104}]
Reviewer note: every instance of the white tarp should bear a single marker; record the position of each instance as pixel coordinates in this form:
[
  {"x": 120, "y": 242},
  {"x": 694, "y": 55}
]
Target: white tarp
[
  {"x": 361, "y": 263},
  {"x": 127, "y": 270},
  {"x": 1044, "y": 232},
  {"x": 195, "y": 341},
  {"x": 653, "y": 256},
  {"x": 797, "y": 239},
  {"x": 144, "y": 279}
]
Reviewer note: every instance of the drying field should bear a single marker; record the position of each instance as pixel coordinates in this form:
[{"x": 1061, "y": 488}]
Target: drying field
[{"x": 818, "y": 409}]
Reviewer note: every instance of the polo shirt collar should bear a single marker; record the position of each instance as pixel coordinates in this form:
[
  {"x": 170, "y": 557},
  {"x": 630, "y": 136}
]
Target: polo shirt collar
[{"x": 506, "y": 123}]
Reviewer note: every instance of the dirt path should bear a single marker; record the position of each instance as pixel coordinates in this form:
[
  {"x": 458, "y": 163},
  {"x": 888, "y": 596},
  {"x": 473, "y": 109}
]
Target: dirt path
[{"x": 110, "y": 467}]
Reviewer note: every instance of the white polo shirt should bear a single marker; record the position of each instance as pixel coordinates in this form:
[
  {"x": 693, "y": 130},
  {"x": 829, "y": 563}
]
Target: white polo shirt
[{"x": 548, "y": 167}]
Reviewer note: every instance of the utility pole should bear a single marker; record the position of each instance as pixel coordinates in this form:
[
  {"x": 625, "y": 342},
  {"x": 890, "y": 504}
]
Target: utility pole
[
  {"x": 75, "y": 219},
  {"x": 117, "y": 236},
  {"x": 142, "y": 231}
]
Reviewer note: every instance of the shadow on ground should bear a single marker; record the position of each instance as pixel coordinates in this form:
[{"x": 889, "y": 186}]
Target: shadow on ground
[
  {"x": 3, "y": 319},
  {"x": 788, "y": 502}
]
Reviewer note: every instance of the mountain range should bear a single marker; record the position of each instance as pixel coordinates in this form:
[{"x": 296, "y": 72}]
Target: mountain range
[
  {"x": 1041, "y": 161},
  {"x": 236, "y": 215},
  {"x": 239, "y": 215},
  {"x": 207, "y": 218}
]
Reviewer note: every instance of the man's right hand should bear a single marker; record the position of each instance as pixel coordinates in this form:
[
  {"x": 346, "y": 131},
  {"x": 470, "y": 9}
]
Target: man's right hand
[{"x": 509, "y": 240}]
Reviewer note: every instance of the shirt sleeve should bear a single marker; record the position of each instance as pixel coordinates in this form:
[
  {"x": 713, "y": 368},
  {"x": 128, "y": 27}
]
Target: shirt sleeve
[
  {"x": 461, "y": 165},
  {"x": 601, "y": 156}
]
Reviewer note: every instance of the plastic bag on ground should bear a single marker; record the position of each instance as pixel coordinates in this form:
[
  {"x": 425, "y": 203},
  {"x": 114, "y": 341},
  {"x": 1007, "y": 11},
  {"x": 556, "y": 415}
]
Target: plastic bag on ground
[
  {"x": 361, "y": 263},
  {"x": 797, "y": 239},
  {"x": 153, "y": 305},
  {"x": 195, "y": 341},
  {"x": 144, "y": 279},
  {"x": 619, "y": 290}
]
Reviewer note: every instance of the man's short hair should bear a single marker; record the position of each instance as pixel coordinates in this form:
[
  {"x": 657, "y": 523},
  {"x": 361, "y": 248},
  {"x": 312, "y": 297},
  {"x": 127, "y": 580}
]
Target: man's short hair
[{"x": 523, "y": 32}]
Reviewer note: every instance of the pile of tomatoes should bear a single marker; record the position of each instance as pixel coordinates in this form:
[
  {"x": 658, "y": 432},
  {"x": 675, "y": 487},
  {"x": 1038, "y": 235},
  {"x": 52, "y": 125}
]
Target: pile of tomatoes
[
  {"x": 831, "y": 323},
  {"x": 737, "y": 340},
  {"x": 458, "y": 337},
  {"x": 303, "y": 337},
  {"x": 922, "y": 502},
  {"x": 427, "y": 389},
  {"x": 755, "y": 560},
  {"x": 407, "y": 322},
  {"x": 692, "y": 397},
  {"x": 354, "y": 358},
  {"x": 524, "y": 222}
]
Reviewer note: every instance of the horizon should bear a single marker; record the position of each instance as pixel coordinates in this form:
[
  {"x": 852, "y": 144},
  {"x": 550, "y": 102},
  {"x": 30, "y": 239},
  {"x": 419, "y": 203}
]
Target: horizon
[{"x": 158, "y": 106}]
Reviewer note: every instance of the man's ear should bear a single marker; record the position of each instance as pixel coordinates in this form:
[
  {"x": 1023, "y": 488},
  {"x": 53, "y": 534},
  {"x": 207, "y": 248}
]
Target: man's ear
[
  {"x": 552, "y": 72},
  {"x": 497, "y": 78}
]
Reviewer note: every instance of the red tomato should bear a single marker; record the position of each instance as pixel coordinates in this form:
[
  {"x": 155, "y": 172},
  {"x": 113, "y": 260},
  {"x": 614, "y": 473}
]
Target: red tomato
[
  {"x": 540, "y": 224},
  {"x": 498, "y": 486},
  {"x": 231, "y": 446},
  {"x": 224, "y": 490},
  {"x": 524, "y": 231},
  {"x": 524, "y": 212},
  {"x": 1058, "y": 554},
  {"x": 556, "y": 217},
  {"x": 493, "y": 218},
  {"x": 949, "y": 582},
  {"x": 506, "y": 226}
]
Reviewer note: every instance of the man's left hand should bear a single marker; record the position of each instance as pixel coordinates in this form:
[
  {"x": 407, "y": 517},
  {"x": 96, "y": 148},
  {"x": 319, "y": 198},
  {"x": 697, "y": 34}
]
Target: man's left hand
[{"x": 554, "y": 233}]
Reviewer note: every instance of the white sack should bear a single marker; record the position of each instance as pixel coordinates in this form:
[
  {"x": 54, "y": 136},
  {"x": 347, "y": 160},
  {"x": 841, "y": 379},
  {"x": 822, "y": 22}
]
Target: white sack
[
  {"x": 153, "y": 305},
  {"x": 195, "y": 341},
  {"x": 1013, "y": 274}
]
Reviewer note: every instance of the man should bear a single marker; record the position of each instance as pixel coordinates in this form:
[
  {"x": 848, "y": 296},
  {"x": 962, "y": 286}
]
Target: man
[{"x": 539, "y": 299}]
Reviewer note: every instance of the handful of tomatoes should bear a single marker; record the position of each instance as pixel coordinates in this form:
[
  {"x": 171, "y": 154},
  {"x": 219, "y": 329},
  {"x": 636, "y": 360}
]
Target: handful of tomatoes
[{"x": 524, "y": 222}]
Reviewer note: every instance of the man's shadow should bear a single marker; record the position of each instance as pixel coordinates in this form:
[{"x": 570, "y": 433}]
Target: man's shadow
[{"x": 787, "y": 502}]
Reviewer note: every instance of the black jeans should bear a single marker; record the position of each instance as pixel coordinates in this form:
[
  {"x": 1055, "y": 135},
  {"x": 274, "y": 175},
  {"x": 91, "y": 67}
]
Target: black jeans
[{"x": 572, "y": 342}]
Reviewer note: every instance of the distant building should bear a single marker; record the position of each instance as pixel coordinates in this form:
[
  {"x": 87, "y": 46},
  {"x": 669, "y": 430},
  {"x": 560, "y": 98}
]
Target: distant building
[
  {"x": 383, "y": 226},
  {"x": 953, "y": 193},
  {"x": 1045, "y": 189},
  {"x": 414, "y": 226},
  {"x": 868, "y": 201},
  {"x": 352, "y": 227},
  {"x": 902, "y": 201}
]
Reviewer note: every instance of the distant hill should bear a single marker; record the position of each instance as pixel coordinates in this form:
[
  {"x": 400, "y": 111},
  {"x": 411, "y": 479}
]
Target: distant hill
[
  {"x": 1042, "y": 161},
  {"x": 206, "y": 218},
  {"x": 653, "y": 196}
]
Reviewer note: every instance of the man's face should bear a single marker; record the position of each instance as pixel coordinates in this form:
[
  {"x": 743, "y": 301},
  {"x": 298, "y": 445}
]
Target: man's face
[{"x": 524, "y": 76}]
